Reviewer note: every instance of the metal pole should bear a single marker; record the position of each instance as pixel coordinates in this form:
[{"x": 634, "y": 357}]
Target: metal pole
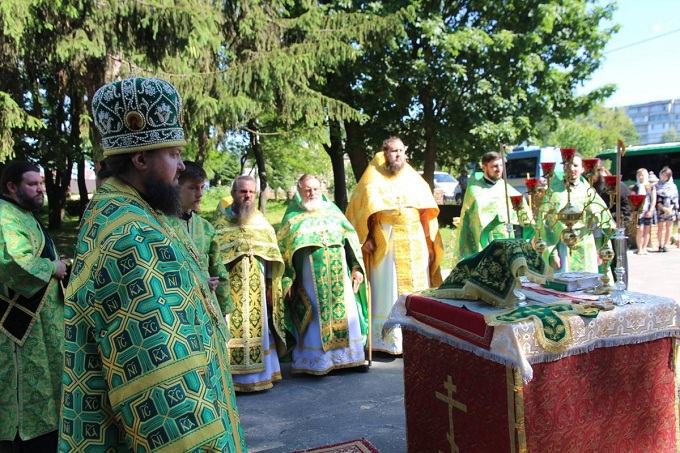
[{"x": 508, "y": 224}]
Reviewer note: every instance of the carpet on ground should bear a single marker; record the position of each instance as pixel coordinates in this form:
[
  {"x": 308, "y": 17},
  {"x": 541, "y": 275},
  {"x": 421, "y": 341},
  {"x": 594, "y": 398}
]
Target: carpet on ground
[{"x": 351, "y": 446}]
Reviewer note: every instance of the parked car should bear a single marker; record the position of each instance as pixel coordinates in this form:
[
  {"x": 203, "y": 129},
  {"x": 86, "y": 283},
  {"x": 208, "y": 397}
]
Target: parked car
[{"x": 448, "y": 185}]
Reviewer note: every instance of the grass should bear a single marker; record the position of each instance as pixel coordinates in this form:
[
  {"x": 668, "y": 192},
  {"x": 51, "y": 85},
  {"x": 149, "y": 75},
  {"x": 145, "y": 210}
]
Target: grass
[{"x": 65, "y": 238}]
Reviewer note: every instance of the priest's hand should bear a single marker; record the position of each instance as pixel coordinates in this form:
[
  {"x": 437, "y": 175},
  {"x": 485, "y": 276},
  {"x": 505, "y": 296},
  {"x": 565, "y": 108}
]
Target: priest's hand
[
  {"x": 357, "y": 279},
  {"x": 61, "y": 270},
  {"x": 213, "y": 283},
  {"x": 369, "y": 246}
]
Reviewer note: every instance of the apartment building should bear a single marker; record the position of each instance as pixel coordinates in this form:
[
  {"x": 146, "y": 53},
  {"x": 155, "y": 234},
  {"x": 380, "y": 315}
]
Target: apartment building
[{"x": 654, "y": 119}]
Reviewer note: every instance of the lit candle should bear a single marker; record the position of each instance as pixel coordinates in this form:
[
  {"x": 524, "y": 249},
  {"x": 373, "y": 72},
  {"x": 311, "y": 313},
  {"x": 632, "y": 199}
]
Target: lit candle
[
  {"x": 531, "y": 184},
  {"x": 548, "y": 169},
  {"x": 567, "y": 154},
  {"x": 636, "y": 200},
  {"x": 611, "y": 181},
  {"x": 590, "y": 164},
  {"x": 516, "y": 202}
]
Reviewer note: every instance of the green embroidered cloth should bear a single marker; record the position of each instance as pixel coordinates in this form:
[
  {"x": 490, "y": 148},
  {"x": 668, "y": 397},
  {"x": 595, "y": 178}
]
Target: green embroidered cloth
[
  {"x": 251, "y": 254},
  {"x": 553, "y": 330},
  {"x": 492, "y": 274},
  {"x": 328, "y": 234}
]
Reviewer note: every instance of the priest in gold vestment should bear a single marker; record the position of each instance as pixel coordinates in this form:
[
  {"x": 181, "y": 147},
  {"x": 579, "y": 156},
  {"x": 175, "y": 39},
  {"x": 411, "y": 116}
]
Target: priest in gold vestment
[
  {"x": 251, "y": 254},
  {"x": 395, "y": 215}
]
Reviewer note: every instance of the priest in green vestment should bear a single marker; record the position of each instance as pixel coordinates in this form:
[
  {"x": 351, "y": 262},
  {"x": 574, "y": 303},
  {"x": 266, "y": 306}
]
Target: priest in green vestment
[
  {"x": 323, "y": 282},
  {"x": 583, "y": 256},
  {"x": 31, "y": 316},
  {"x": 146, "y": 365},
  {"x": 251, "y": 254},
  {"x": 484, "y": 213},
  {"x": 191, "y": 185}
]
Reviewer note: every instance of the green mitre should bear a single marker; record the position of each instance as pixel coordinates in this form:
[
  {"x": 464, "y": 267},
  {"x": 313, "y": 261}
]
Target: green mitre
[{"x": 138, "y": 114}]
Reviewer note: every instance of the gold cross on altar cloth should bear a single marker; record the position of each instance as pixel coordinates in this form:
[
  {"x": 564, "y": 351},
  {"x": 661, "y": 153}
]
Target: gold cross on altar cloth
[{"x": 448, "y": 399}]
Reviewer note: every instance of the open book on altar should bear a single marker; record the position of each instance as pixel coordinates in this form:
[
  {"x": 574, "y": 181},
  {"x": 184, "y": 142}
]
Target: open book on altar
[{"x": 573, "y": 281}]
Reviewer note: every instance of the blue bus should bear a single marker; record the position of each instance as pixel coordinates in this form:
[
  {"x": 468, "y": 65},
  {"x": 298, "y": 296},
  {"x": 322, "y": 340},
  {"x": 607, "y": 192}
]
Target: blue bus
[{"x": 651, "y": 157}]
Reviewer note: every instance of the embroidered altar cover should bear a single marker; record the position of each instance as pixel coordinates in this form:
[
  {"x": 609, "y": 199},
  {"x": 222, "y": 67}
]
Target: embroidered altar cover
[{"x": 459, "y": 323}]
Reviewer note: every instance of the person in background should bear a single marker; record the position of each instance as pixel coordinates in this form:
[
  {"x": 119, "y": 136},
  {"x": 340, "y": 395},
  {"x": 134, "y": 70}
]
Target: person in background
[
  {"x": 647, "y": 216},
  {"x": 203, "y": 235},
  {"x": 583, "y": 255},
  {"x": 395, "y": 215},
  {"x": 666, "y": 206},
  {"x": 483, "y": 215},
  {"x": 146, "y": 365},
  {"x": 31, "y": 316},
  {"x": 251, "y": 254},
  {"x": 323, "y": 283}
]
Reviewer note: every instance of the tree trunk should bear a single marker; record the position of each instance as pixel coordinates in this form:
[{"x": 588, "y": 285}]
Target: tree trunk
[
  {"x": 355, "y": 149},
  {"x": 203, "y": 141},
  {"x": 430, "y": 132},
  {"x": 56, "y": 185},
  {"x": 259, "y": 161},
  {"x": 82, "y": 186},
  {"x": 336, "y": 154}
]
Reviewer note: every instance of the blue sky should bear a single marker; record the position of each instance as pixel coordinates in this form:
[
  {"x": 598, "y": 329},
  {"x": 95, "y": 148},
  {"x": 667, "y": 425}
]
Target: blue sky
[{"x": 642, "y": 59}]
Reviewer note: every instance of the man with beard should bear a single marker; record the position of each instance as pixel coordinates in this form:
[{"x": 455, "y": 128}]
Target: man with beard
[
  {"x": 203, "y": 235},
  {"x": 323, "y": 283},
  {"x": 31, "y": 316},
  {"x": 583, "y": 256},
  {"x": 484, "y": 212},
  {"x": 395, "y": 216},
  {"x": 146, "y": 365},
  {"x": 251, "y": 255}
]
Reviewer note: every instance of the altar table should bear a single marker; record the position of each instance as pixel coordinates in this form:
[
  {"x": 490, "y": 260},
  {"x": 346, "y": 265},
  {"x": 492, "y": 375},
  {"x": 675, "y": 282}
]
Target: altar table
[{"x": 470, "y": 387}]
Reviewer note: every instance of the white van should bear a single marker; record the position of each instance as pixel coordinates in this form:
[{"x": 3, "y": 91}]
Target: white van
[{"x": 526, "y": 160}]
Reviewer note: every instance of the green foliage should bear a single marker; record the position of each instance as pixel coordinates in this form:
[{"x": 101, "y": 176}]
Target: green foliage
[
  {"x": 595, "y": 132},
  {"x": 465, "y": 76},
  {"x": 670, "y": 136}
]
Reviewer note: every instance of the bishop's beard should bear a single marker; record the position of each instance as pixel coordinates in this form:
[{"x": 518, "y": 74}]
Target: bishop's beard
[{"x": 162, "y": 196}]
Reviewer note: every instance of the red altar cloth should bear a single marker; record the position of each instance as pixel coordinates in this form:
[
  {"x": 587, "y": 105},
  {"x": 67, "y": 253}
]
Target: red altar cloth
[
  {"x": 618, "y": 399},
  {"x": 610, "y": 399}
]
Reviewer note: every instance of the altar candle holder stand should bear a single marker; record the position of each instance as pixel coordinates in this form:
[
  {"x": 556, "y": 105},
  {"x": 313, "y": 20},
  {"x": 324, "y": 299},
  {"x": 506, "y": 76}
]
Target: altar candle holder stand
[
  {"x": 569, "y": 215},
  {"x": 619, "y": 296}
]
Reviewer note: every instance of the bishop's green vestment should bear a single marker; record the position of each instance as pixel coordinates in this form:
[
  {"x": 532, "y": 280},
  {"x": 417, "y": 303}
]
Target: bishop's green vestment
[{"x": 146, "y": 367}]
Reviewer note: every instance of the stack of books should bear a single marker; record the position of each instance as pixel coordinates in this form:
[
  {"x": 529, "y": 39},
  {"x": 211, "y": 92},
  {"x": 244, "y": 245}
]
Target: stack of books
[{"x": 573, "y": 281}]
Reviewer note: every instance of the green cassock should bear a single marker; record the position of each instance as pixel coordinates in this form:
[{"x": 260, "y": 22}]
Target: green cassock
[
  {"x": 329, "y": 234},
  {"x": 31, "y": 327},
  {"x": 483, "y": 217},
  {"x": 146, "y": 366},
  {"x": 204, "y": 237},
  {"x": 583, "y": 256}
]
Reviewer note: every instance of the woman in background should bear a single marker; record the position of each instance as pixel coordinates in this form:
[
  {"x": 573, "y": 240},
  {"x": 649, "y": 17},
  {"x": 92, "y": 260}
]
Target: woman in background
[
  {"x": 666, "y": 206},
  {"x": 648, "y": 214}
]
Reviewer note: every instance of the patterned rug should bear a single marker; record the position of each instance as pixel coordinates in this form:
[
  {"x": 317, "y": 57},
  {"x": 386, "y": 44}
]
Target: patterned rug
[{"x": 351, "y": 446}]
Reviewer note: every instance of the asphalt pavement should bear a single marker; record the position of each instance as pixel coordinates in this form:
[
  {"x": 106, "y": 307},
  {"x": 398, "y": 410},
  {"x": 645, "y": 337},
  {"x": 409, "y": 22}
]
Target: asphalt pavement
[{"x": 303, "y": 411}]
